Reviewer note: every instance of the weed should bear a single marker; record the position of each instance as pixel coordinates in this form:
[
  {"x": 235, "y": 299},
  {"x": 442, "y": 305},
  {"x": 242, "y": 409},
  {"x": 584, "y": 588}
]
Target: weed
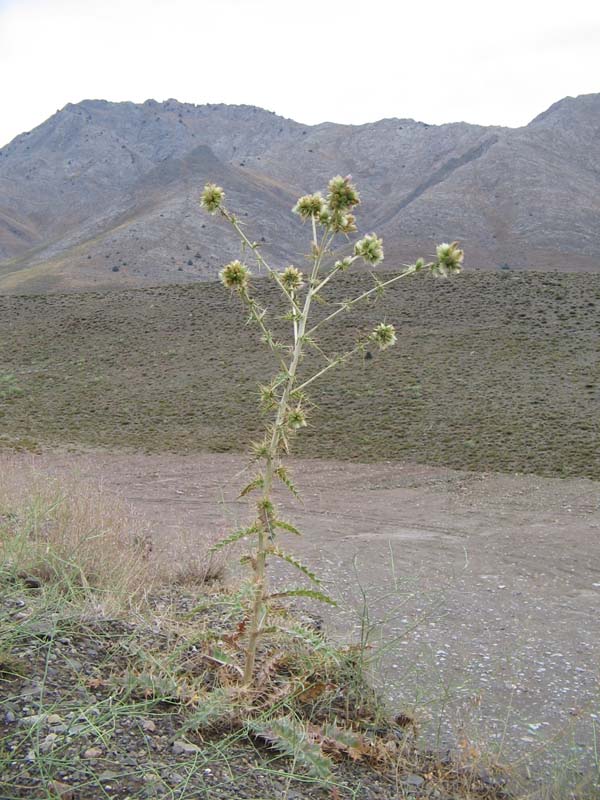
[{"x": 285, "y": 396}]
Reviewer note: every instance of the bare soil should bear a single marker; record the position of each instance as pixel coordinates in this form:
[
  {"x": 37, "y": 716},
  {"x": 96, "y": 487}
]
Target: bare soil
[{"x": 488, "y": 585}]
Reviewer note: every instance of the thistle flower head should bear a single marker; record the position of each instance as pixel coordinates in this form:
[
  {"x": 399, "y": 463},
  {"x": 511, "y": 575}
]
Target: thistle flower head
[
  {"x": 419, "y": 264},
  {"x": 310, "y": 205},
  {"x": 324, "y": 217},
  {"x": 268, "y": 398},
  {"x": 212, "y": 198},
  {"x": 449, "y": 259},
  {"x": 341, "y": 222},
  {"x": 235, "y": 275},
  {"x": 260, "y": 449},
  {"x": 370, "y": 247},
  {"x": 296, "y": 418},
  {"x": 342, "y": 193},
  {"x": 384, "y": 335},
  {"x": 344, "y": 263},
  {"x": 292, "y": 279}
]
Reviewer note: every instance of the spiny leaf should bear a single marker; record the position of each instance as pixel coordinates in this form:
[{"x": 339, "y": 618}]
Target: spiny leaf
[
  {"x": 292, "y": 738},
  {"x": 342, "y": 741},
  {"x": 312, "y": 638},
  {"x": 257, "y": 483},
  {"x": 286, "y": 526},
  {"x": 215, "y": 707},
  {"x": 233, "y": 537},
  {"x": 283, "y": 476},
  {"x": 275, "y": 551},
  {"x": 315, "y": 595}
]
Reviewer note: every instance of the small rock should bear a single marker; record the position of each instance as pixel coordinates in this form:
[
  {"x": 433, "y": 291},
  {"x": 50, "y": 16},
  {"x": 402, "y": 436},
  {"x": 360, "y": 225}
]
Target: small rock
[
  {"x": 48, "y": 743},
  {"x": 108, "y": 775},
  {"x": 413, "y": 780},
  {"x": 30, "y": 582},
  {"x": 181, "y": 746},
  {"x": 148, "y": 725},
  {"x": 62, "y": 790},
  {"x": 32, "y": 721},
  {"x": 54, "y": 719},
  {"x": 93, "y": 752},
  {"x": 42, "y": 629},
  {"x": 10, "y": 717}
]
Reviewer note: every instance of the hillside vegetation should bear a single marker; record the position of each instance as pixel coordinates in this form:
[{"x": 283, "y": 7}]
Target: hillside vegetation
[{"x": 494, "y": 371}]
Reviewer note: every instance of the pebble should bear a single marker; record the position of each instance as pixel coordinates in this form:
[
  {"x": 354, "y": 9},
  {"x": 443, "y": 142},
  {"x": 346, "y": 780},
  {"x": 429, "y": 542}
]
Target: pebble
[
  {"x": 62, "y": 790},
  {"x": 93, "y": 752},
  {"x": 32, "y": 721},
  {"x": 48, "y": 743},
  {"x": 181, "y": 746},
  {"x": 412, "y": 780}
]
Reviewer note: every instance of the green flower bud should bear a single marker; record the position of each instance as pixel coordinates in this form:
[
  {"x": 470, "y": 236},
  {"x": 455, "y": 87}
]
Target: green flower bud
[
  {"x": 268, "y": 398},
  {"x": 419, "y": 264},
  {"x": 235, "y": 275},
  {"x": 449, "y": 259},
  {"x": 344, "y": 263},
  {"x": 325, "y": 217},
  {"x": 260, "y": 449},
  {"x": 292, "y": 279},
  {"x": 342, "y": 223},
  {"x": 370, "y": 248},
  {"x": 342, "y": 194},
  {"x": 212, "y": 198},
  {"x": 310, "y": 205},
  {"x": 384, "y": 335},
  {"x": 296, "y": 418}
]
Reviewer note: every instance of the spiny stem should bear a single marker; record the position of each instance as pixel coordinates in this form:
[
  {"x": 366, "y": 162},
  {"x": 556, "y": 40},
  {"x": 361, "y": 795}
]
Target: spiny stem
[
  {"x": 268, "y": 336},
  {"x": 334, "y": 363},
  {"x": 347, "y": 305},
  {"x": 259, "y": 605},
  {"x": 333, "y": 272},
  {"x": 257, "y": 255}
]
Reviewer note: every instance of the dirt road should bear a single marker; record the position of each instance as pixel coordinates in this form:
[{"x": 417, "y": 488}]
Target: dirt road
[{"x": 489, "y": 585}]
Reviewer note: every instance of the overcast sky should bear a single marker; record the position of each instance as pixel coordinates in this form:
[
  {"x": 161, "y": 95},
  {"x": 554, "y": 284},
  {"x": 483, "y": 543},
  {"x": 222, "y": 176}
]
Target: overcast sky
[{"x": 498, "y": 62}]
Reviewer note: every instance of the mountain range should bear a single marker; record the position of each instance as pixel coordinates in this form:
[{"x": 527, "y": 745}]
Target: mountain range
[{"x": 105, "y": 195}]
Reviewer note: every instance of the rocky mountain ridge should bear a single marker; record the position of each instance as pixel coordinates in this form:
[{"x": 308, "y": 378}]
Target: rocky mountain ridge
[{"x": 105, "y": 194}]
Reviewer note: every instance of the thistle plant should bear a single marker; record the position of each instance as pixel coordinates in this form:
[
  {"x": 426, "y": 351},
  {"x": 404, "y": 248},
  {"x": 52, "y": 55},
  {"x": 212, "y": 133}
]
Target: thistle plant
[{"x": 330, "y": 219}]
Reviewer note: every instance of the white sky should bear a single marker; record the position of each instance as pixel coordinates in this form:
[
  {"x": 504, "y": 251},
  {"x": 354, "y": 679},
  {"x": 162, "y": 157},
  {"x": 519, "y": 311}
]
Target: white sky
[{"x": 485, "y": 61}]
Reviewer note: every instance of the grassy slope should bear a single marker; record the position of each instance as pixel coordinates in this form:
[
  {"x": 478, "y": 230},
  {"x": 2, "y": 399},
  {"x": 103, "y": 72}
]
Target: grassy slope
[{"x": 493, "y": 371}]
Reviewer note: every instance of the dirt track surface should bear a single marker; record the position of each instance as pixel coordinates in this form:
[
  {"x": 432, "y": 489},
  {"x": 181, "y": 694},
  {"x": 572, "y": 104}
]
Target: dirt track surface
[{"x": 490, "y": 584}]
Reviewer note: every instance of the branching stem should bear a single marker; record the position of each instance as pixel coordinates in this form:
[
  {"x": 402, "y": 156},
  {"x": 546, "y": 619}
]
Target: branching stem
[{"x": 349, "y": 303}]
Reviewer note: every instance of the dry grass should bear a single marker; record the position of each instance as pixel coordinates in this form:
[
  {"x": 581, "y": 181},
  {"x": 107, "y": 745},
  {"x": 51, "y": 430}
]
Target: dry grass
[
  {"x": 71, "y": 536},
  {"x": 64, "y": 531}
]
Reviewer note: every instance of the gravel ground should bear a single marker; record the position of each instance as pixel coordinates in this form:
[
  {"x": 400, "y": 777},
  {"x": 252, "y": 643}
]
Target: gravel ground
[
  {"x": 79, "y": 722},
  {"x": 489, "y": 584}
]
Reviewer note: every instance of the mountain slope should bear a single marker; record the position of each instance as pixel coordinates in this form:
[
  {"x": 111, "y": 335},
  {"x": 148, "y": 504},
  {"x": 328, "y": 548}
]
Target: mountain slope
[{"x": 105, "y": 194}]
